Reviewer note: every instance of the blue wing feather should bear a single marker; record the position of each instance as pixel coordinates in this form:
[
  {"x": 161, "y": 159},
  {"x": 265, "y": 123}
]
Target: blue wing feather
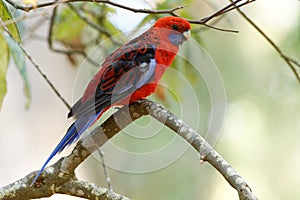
[{"x": 73, "y": 133}]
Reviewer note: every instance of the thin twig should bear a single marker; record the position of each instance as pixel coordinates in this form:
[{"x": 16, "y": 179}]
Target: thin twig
[
  {"x": 219, "y": 12},
  {"x": 222, "y": 11},
  {"x": 221, "y": 29},
  {"x": 69, "y": 51},
  {"x": 107, "y": 178},
  {"x": 92, "y": 24},
  {"x": 235, "y": 6},
  {"x": 37, "y": 67},
  {"x": 31, "y": 30},
  {"x": 28, "y": 8},
  {"x": 297, "y": 63},
  {"x": 24, "y": 17},
  {"x": 172, "y": 11},
  {"x": 137, "y": 10},
  {"x": 286, "y": 58}
]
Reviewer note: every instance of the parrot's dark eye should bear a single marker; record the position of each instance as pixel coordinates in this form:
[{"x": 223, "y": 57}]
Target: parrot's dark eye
[{"x": 175, "y": 27}]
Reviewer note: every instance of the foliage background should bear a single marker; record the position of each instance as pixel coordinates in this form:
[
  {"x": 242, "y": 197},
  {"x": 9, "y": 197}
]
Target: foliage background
[{"x": 261, "y": 130}]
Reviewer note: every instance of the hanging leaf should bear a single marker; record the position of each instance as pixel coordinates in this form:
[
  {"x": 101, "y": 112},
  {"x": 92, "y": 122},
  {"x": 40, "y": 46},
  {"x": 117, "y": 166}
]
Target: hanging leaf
[
  {"x": 4, "y": 48},
  {"x": 19, "y": 59},
  {"x": 5, "y": 16},
  {"x": 4, "y": 58}
]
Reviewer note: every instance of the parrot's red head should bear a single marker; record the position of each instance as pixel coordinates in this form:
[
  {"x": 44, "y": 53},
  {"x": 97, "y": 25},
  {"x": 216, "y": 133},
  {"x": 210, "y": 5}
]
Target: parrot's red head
[{"x": 179, "y": 28}]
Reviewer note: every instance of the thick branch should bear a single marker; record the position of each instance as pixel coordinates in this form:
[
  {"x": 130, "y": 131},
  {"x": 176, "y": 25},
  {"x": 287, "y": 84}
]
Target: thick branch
[
  {"x": 89, "y": 191},
  {"x": 56, "y": 182},
  {"x": 61, "y": 175}
]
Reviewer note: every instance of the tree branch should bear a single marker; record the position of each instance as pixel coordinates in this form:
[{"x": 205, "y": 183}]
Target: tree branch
[
  {"x": 60, "y": 177},
  {"x": 89, "y": 191},
  {"x": 21, "y": 190},
  {"x": 28, "y": 8},
  {"x": 233, "y": 5}
]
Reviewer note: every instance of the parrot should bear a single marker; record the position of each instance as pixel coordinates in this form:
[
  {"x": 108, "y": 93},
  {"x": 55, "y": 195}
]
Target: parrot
[{"x": 129, "y": 74}]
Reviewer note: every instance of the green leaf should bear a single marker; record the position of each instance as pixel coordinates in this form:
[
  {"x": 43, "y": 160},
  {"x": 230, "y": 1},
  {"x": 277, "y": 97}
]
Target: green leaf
[
  {"x": 5, "y": 16},
  {"x": 19, "y": 58},
  {"x": 68, "y": 26},
  {"x": 4, "y": 48},
  {"x": 4, "y": 58}
]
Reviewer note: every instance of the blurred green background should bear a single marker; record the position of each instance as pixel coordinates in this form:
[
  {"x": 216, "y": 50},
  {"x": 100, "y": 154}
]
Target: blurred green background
[{"x": 260, "y": 136}]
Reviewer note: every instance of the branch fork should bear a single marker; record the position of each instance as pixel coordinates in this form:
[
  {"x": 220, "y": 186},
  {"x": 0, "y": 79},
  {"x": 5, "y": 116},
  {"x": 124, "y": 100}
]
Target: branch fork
[{"x": 60, "y": 177}]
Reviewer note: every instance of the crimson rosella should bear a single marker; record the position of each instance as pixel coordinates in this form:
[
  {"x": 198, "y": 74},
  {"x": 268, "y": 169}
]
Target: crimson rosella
[{"x": 129, "y": 74}]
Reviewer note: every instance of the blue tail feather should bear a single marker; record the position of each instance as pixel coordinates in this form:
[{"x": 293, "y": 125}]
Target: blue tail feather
[{"x": 73, "y": 133}]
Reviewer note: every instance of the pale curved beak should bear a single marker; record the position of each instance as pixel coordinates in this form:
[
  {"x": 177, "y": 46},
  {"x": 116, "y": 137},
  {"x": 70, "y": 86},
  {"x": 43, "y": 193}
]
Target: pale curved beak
[{"x": 187, "y": 34}]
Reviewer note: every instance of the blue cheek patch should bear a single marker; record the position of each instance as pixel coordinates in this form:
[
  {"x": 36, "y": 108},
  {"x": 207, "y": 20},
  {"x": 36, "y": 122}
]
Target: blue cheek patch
[{"x": 176, "y": 39}]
